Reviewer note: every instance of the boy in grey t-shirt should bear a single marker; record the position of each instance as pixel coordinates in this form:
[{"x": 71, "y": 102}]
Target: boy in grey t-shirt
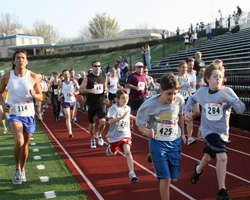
[
  {"x": 161, "y": 119},
  {"x": 216, "y": 102}
]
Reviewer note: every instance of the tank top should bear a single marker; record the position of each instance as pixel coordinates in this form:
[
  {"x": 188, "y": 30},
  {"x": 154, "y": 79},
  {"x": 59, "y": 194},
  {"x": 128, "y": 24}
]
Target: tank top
[
  {"x": 66, "y": 89},
  {"x": 97, "y": 82},
  {"x": 54, "y": 89},
  {"x": 192, "y": 78},
  {"x": 19, "y": 97},
  {"x": 184, "y": 88},
  {"x": 114, "y": 82}
]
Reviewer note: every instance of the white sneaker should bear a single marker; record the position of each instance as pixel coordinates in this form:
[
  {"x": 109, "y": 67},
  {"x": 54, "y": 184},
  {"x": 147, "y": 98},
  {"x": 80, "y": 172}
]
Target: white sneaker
[
  {"x": 132, "y": 177},
  {"x": 108, "y": 151},
  {"x": 61, "y": 114},
  {"x": 23, "y": 176},
  {"x": 100, "y": 140},
  {"x": 92, "y": 144},
  {"x": 191, "y": 140},
  {"x": 75, "y": 119},
  {"x": 71, "y": 134},
  {"x": 17, "y": 177}
]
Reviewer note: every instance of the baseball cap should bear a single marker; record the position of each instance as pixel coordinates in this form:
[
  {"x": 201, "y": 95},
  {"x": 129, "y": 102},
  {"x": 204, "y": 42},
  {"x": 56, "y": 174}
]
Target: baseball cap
[{"x": 139, "y": 64}]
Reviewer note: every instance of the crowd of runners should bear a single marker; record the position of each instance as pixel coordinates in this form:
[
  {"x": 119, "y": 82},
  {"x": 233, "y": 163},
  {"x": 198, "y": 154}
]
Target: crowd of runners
[{"x": 160, "y": 109}]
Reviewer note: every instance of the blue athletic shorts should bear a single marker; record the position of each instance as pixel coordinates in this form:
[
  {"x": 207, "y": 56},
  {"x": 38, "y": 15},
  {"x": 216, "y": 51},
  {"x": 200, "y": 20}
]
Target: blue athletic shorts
[
  {"x": 214, "y": 145},
  {"x": 166, "y": 158},
  {"x": 29, "y": 125},
  {"x": 70, "y": 105}
]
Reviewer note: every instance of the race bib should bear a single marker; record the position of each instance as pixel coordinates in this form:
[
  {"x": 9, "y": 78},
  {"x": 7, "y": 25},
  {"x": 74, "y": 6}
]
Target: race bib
[
  {"x": 214, "y": 111},
  {"x": 166, "y": 132},
  {"x": 22, "y": 109},
  {"x": 123, "y": 125},
  {"x": 55, "y": 92},
  {"x": 184, "y": 93},
  {"x": 141, "y": 86},
  {"x": 152, "y": 93},
  {"x": 98, "y": 88}
]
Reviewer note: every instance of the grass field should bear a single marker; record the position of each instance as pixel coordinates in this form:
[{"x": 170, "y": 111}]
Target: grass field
[{"x": 61, "y": 180}]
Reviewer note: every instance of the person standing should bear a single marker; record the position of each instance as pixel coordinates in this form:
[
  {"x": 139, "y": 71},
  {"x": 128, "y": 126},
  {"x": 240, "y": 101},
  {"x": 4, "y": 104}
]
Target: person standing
[
  {"x": 239, "y": 13},
  {"x": 23, "y": 86},
  {"x": 148, "y": 56},
  {"x": 216, "y": 102},
  {"x": 68, "y": 88},
  {"x": 95, "y": 86},
  {"x": 209, "y": 32},
  {"x": 161, "y": 119}
]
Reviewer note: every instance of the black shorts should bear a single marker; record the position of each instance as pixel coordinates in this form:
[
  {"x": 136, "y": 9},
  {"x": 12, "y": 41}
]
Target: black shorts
[
  {"x": 214, "y": 145},
  {"x": 136, "y": 103},
  {"x": 111, "y": 96},
  {"x": 100, "y": 111}
]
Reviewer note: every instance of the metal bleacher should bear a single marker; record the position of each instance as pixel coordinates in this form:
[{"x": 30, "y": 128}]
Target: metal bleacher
[{"x": 233, "y": 49}]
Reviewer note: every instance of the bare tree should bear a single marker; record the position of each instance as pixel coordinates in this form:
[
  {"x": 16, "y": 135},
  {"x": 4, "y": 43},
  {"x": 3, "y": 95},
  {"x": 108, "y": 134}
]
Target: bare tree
[
  {"x": 102, "y": 26},
  {"x": 84, "y": 34},
  {"x": 47, "y": 31},
  {"x": 10, "y": 24}
]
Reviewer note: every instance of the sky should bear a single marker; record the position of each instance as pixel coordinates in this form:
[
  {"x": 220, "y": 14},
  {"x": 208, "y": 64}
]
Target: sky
[{"x": 69, "y": 16}]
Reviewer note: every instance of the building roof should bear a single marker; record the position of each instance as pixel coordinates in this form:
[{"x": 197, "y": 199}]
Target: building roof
[{"x": 20, "y": 36}]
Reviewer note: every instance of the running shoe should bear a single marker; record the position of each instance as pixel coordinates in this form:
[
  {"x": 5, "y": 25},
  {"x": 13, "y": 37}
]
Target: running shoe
[
  {"x": 195, "y": 176},
  {"x": 71, "y": 134},
  {"x": 23, "y": 176},
  {"x": 223, "y": 195},
  {"x": 92, "y": 144},
  {"x": 191, "y": 140},
  {"x": 149, "y": 158},
  {"x": 108, "y": 151},
  {"x": 132, "y": 177},
  {"x": 75, "y": 119},
  {"x": 100, "y": 140},
  {"x": 17, "y": 177}
]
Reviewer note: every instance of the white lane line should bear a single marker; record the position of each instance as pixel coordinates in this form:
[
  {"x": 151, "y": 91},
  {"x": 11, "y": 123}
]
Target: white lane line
[
  {"x": 37, "y": 157},
  {"x": 229, "y": 173},
  {"x": 75, "y": 165},
  {"x": 50, "y": 194},
  {"x": 44, "y": 179},
  {"x": 149, "y": 171}
]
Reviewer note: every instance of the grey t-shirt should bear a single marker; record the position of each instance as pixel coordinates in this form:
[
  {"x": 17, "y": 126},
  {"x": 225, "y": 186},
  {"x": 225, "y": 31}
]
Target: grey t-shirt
[
  {"x": 215, "y": 110},
  {"x": 121, "y": 129},
  {"x": 163, "y": 118}
]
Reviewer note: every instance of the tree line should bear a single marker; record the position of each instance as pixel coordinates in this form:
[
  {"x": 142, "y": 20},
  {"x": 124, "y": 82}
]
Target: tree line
[{"x": 100, "y": 26}]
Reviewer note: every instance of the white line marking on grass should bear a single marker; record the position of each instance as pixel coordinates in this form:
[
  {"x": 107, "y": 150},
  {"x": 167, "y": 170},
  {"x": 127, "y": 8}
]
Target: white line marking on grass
[
  {"x": 32, "y": 138},
  {"x": 40, "y": 167},
  {"x": 44, "y": 179},
  {"x": 75, "y": 165},
  {"x": 229, "y": 173},
  {"x": 37, "y": 157},
  {"x": 35, "y": 150},
  {"x": 33, "y": 144},
  {"x": 50, "y": 195},
  {"x": 149, "y": 171}
]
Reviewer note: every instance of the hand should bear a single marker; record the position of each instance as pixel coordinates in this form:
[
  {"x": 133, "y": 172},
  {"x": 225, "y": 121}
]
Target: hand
[
  {"x": 150, "y": 133},
  {"x": 224, "y": 95},
  {"x": 7, "y": 108},
  {"x": 125, "y": 114},
  {"x": 91, "y": 90},
  {"x": 184, "y": 139},
  {"x": 188, "y": 117}
]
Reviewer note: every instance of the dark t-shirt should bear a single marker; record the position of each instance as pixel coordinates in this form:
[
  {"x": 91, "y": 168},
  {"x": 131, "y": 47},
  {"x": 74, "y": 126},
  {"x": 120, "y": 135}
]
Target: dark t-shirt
[
  {"x": 137, "y": 80},
  {"x": 198, "y": 64},
  {"x": 96, "y": 99}
]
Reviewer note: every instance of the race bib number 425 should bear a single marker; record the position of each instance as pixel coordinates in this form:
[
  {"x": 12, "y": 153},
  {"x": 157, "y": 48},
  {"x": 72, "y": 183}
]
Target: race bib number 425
[{"x": 166, "y": 132}]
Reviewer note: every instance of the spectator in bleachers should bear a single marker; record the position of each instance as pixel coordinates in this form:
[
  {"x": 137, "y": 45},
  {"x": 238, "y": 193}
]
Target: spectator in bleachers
[
  {"x": 107, "y": 68},
  {"x": 217, "y": 24},
  {"x": 235, "y": 18},
  {"x": 125, "y": 59},
  {"x": 148, "y": 56},
  {"x": 236, "y": 28},
  {"x": 229, "y": 21},
  {"x": 177, "y": 31},
  {"x": 186, "y": 41},
  {"x": 194, "y": 38},
  {"x": 209, "y": 32},
  {"x": 191, "y": 28},
  {"x": 143, "y": 55},
  {"x": 239, "y": 13},
  {"x": 163, "y": 35},
  {"x": 198, "y": 62},
  {"x": 197, "y": 28}
]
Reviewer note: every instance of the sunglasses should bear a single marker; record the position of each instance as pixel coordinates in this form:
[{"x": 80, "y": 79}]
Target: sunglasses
[
  {"x": 140, "y": 66},
  {"x": 96, "y": 65}
]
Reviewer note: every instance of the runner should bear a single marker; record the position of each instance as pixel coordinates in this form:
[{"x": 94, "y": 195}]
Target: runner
[{"x": 23, "y": 86}]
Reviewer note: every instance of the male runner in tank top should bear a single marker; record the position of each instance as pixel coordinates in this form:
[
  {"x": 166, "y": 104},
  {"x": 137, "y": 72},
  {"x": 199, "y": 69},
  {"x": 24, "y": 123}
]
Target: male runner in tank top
[
  {"x": 23, "y": 86},
  {"x": 95, "y": 86}
]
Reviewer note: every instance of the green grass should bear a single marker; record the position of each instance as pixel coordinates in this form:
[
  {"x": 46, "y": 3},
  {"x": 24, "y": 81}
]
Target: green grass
[
  {"x": 60, "y": 178},
  {"x": 84, "y": 62}
]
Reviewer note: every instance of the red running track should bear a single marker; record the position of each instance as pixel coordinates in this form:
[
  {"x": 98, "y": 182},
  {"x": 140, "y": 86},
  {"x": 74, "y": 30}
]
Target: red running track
[{"x": 102, "y": 177}]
